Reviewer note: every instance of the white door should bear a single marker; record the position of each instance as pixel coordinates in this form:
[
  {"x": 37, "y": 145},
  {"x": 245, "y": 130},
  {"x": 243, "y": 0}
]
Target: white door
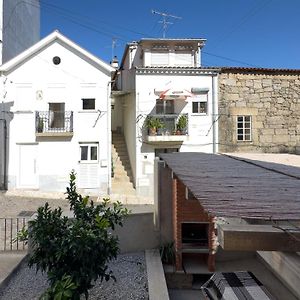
[{"x": 27, "y": 166}]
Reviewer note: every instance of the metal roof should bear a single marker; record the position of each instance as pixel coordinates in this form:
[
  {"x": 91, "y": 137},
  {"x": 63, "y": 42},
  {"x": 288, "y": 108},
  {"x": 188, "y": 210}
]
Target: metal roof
[{"x": 229, "y": 187}]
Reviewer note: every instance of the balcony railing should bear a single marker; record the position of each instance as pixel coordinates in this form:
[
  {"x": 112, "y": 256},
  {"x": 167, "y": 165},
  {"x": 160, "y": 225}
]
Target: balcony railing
[
  {"x": 54, "y": 123},
  {"x": 171, "y": 127}
]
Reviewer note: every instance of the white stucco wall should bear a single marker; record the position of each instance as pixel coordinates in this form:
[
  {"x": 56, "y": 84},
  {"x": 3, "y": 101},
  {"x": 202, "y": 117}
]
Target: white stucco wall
[
  {"x": 30, "y": 87},
  {"x": 20, "y": 22},
  {"x": 200, "y": 137}
]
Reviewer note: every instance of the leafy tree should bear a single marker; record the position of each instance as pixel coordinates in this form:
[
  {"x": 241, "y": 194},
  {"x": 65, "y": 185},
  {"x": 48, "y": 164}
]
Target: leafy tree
[{"x": 75, "y": 251}]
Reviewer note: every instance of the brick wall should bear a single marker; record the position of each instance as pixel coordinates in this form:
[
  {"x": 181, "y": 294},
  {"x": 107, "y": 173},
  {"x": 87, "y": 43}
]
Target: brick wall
[
  {"x": 189, "y": 211},
  {"x": 271, "y": 98}
]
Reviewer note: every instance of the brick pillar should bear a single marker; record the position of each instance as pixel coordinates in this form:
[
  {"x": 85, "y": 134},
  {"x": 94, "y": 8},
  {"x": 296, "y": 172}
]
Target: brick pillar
[
  {"x": 211, "y": 237},
  {"x": 176, "y": 228}
]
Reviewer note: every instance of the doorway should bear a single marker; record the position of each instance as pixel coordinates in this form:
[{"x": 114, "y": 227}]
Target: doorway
[{"x": 28, "y": 166}]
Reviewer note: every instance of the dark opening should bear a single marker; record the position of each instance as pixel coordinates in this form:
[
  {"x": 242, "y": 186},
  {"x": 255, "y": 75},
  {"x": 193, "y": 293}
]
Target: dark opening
[{"x": 195, "y": 234}]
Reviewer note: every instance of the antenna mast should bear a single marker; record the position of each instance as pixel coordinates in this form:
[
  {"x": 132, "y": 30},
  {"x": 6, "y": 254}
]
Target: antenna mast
[{"x": 164, "y": 21}]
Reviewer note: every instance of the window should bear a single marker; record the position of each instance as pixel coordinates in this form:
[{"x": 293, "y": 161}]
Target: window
[
  {"x": 56, "y": 115},
  {"x": 88, "y": 103},
  {"x": 244, "y": 128},
  {"x": 89, "y": 152},
  {"x": 164, "y": 107},
  {"x": 199, "y": 107},
  {"x": 199, "y": 104}
]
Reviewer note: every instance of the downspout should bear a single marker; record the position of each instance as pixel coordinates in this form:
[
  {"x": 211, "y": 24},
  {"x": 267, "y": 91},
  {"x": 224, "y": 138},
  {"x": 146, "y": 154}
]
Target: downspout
[
  {"x": 109, "y": 136},
  {"x": 214, "y": 130},
  {"x": 5, "y": 153}
]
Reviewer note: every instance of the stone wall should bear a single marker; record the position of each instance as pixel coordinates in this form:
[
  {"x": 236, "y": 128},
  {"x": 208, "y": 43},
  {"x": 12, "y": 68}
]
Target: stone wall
[{"x": 271, "y": 97}]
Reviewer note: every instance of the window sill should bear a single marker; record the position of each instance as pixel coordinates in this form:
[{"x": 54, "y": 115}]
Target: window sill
[
  {"x": 89, "y": 111},
  {"x": 199, "y": 114}
]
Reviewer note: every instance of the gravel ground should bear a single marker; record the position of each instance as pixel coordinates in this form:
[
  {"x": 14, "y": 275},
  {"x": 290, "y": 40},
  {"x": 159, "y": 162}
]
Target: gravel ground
[{"x": 129, "y": 270}]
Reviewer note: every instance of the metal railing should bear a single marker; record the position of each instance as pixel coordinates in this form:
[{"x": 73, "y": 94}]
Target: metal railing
[
  {"x": 169, "y": 124},
  {"x": 9, "y": 227},
  {"x": 53, "y": 121}
]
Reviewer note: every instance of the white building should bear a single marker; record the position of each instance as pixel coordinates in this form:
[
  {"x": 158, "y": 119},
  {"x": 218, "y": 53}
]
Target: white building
[
  {"x": 19, "y": 27},
  {"x": 55, "y": 105},
  {"x": 163, "y": 79}
]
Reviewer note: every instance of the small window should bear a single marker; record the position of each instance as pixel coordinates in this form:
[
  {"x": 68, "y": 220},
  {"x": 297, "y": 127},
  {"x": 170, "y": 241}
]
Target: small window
[
  {"x": 199, "y": 107},
  {"x": 244, "y": 128},
  {"x": 89, "y": 152},
  {"x": 199, "y": 104},
  {"x": 88, "y": 103}
]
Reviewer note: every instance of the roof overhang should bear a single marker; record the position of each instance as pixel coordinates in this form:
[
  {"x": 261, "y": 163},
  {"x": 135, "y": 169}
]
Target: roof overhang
[{"x": 51, "y": 38}]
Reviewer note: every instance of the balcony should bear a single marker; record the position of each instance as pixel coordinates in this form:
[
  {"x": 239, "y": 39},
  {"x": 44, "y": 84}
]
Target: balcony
[
  {"x": 166, "y": 128},
  {"x": 54, "y": 123}
]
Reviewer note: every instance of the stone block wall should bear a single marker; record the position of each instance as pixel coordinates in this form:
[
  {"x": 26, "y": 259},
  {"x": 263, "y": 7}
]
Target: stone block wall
[{"x": 272, "y": 98}]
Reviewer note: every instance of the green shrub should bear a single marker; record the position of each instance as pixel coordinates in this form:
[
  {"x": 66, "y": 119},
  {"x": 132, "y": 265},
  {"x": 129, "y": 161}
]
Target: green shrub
[{"x": 75, "y": 251}]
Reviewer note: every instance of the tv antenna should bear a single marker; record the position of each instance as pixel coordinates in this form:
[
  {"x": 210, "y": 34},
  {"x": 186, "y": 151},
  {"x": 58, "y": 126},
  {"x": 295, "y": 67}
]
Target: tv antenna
[{"x": 164, "y": 21}]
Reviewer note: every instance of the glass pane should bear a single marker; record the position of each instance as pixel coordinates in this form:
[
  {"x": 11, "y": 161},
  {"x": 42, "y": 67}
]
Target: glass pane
[
  {"x": 247, "y": 137},
  {"x": 247, "y": 131},
  {"x": 247, "y": 118},
  {"x": 240, "y": 125},
  {"x": 159, "y": 106},
  {"x": 240, "y": 137},
  {"x": 83, "y": 152},
  {"x": 94, "y": 153},
  {"x": 88, "y": 103},
  {"x": 203, "y": 107},
  {"x": 195, "y": 107},
  {"x": 169, "y": 104},
  {"x": 240, "y": 131},
  {"x": 247, "y": 125}
]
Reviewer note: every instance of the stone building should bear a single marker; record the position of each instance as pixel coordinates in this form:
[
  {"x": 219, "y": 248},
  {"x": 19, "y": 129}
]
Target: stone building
[{"x": 259, "y": 110}]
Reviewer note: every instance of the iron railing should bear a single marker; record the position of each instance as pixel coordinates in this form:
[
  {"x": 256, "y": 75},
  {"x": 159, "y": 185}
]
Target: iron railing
[
  {"x": 169, "y": 124},
  {"x": 53, "y": 121},
  {"x": 9, "y": 227}
]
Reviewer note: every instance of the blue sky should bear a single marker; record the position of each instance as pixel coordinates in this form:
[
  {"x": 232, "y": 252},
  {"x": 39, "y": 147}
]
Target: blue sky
[{"x": 259, "y": 33}]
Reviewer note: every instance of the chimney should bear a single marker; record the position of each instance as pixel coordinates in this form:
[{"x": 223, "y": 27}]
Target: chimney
[{"x": 115, "y": 62}]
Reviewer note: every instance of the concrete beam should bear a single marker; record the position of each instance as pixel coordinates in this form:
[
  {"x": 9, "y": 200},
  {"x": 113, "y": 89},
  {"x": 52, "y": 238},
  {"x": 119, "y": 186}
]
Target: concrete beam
[
  {"x": 258, "y": 237},
  {"x": 157, "y": 286}
]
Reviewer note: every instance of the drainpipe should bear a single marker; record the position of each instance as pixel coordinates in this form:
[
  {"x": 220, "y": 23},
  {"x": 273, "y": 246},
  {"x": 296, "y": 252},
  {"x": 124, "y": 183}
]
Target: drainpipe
[
  {"x": 214, "y": 110},
  {"x": 109, "y": 136},
  {"x": 5, "y": 153}
]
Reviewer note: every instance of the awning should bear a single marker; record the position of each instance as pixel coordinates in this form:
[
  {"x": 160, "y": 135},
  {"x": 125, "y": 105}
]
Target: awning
[{"x": 173, "y": 94}]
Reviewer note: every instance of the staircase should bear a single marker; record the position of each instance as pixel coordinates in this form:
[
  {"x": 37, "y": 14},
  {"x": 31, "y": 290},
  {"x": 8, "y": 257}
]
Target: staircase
[{"x": 122, "y": 182}]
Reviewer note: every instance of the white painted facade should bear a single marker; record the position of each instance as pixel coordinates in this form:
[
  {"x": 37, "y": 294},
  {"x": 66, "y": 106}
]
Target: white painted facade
[
  {"x": 74, "y": 133},
  {"x": 148, "y": 69},
  {"x": 19, "y": 27}
]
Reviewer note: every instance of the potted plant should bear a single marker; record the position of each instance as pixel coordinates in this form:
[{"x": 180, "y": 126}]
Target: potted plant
[
  {"x": 181, "y": 126},
  {"x": 153, "y": 124}
]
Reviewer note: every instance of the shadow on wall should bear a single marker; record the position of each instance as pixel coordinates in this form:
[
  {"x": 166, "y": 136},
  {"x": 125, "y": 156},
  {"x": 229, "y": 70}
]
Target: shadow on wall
[{"x": 5, "y": 118}]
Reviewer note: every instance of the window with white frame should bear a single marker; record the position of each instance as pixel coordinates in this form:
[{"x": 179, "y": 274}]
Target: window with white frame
[
  {"x": 199, "y": 104},
  {"x": 244, "y": 128},
  {"x": 89, "y": 152}
]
